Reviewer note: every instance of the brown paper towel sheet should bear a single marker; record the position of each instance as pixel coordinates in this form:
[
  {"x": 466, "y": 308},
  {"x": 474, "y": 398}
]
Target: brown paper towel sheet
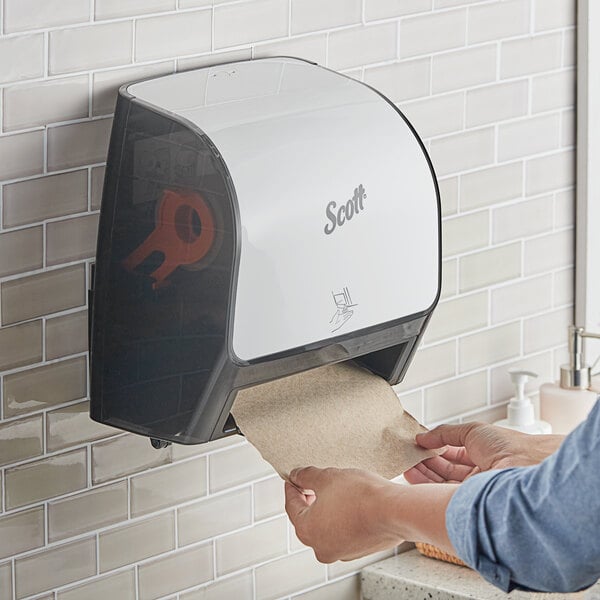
[{"x": 334, "y": 416}]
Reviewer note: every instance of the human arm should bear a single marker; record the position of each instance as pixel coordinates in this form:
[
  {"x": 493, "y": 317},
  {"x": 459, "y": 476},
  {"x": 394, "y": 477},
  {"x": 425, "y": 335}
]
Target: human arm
[
  {"x": 348, "y": 513},
  {"x": 477, "y": 447},
  {"x": 534, "y": 527}
]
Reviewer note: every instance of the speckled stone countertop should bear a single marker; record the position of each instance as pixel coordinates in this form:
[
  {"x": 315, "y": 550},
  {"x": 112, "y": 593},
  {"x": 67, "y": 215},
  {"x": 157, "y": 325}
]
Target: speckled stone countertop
[{"x": 411, "y": 576}]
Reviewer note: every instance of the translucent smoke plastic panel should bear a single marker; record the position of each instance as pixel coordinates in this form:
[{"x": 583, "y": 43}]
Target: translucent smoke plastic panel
[{"x": 168, "y": 279}]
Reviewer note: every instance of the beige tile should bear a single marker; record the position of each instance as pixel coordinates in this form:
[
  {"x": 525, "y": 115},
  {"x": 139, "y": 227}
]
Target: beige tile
[
  {"x": 64, "y": 99},
  {"x": 72, "y": 425},
  {"x": 449, "y": 195},
  {"x": 449, "y": 278},
  {"x": 552, "y": 14},
  {"x": 490, "y": 266},
  {"x": 21, "y": 251},
  {"x": 550, "y": 172},
  {"x": 236, "y": 466},
  {"x": 564, "y": 287},
  {"x": 46, "y": 570},
  {"x": 45, "y": 478},
  {"x": 464, "y": 233},
  {"x": 87, "y": 511},
  {"x": 487, "y": 415},
  {"x": 498, "y": 20},
  {"x": 568, "y": 126},
  {"x": 429, "y": 365},
  {"x": 196, "y": 3},
  {"x": 553, "y": 90},
  {"x": 289, "y": 574},
  {"x": 413, "y": 403},
  {"x": 522, "y": 219},
  {"x": 497, "y": 102},
  {"x": 71, "y": 239},
  {"x": 181, "y": 451},
  {"x": 360, "y": 46},
  {"x": 464, "y": 68},
  {"x": 338, "y": 569},
  {"x": 401, "y": 81},
  {"x": 309, "y": 47},
  {"x": 21, "y": 15},
  {"x": 433, "y": 32},
  {"x": 30, "y": 50},
  {"x": 239, "y": 587},
  {"x": 168, "y": 487},
  {"x": 121, "y": 586},
  {"x": 548, "y": 252},
  {"x": 523, "y": 298},
  {"x": 21, "y": 439},
  {"x": 437, "y": 115},
  {"x": 6, "y": 580},
  {"x": 533, "y": 54},
  {"x": 454, "y": 397},
  {"x": 131, "y": 543},
  {"x": 106, "y": 83},
  {"x": 528, "y": 136},
  {"x": 125, "y": 455},
  {"x": 569, "y": 53},
  {"x": 250, "y": 546},
  {"x": 456, "y": 316},
  {"x": 214, "y": 516},
  {"x": 564, "y": 209},
  {"x": 172, "y": 35},
  {"x": 37, "y": 295},
  {"x": 344, "y": 589},
  {"x": 269, "y": 498},
  {"x": 108, "y": 9},
  {"x": 546, "y": 331},
  {"x": 66, "y": 335},
  {"x": 42, "y": 387},
  {"x": 78, "y": 144},
  {"x": 45, "y": 197},
  {"x": 90, "y": 47},
  {"x": 308, "y": 15},
  {"x": 501, "y": 386},
  {"x": 375, "y": 9},
  {"x": 247, "y": 23},
  {"x": 488, "y": 347},
  {"x": 20, "y": 345},
  {"x": 97, "y": 185},
  {"x": 21, "y": 154},
  {"x": 490, "y": 186},
  {"x": 176, "y": 572},
  {"x": 462, "y": 151},
  {"x": 21, "y": 531}
]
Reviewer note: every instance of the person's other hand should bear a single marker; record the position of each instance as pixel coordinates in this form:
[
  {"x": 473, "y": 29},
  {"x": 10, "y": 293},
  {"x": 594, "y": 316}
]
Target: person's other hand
[
  {"x": 476, "y": 447},
  {"x": 340, "y": 513}
]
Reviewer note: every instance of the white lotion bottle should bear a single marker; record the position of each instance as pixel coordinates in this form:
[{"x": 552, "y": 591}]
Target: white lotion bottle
[
  {"x": 567, "y": 403},
  {"x": 520, "y": 413}
]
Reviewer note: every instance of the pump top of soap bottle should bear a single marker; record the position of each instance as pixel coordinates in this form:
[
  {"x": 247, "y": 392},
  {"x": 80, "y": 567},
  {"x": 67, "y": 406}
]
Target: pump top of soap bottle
[{"x": 520, "y": 415}]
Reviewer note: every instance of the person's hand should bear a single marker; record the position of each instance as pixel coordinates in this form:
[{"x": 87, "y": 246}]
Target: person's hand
[
  {"x": 340, "y": 513},
  {"x": 476, "y": 447}
]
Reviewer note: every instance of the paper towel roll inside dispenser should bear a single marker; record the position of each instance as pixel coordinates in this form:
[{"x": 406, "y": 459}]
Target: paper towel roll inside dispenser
[{"x": 258, "y": 219}]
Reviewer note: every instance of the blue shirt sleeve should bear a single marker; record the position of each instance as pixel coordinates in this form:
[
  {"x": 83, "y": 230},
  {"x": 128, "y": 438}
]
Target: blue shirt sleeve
[{"x": 538, "y": 527}]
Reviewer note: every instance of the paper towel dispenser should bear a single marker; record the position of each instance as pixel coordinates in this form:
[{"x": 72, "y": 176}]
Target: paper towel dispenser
[{"x": 258, "y": 219}]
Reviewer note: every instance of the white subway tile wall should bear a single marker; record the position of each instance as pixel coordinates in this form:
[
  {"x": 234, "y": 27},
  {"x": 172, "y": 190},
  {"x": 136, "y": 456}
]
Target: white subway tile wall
[{"x": 489, "y": 84}]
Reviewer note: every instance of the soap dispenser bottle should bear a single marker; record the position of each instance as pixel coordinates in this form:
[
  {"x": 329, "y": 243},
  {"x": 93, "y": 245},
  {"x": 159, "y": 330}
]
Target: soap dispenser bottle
[
  {"x": 520, "y": 408},
  {"x": 567, "y": 403}
]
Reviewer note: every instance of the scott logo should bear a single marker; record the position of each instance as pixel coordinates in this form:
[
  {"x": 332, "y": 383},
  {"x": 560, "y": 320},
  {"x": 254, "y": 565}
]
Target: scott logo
[{"x": 339, "y": 216}]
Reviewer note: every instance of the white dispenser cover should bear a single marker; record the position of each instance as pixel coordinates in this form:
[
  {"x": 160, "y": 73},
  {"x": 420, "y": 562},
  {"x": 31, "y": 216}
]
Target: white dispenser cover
[{"x": 300, "y": 142}]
